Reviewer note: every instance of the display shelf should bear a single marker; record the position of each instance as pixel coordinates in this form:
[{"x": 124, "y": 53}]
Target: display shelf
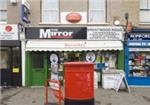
[
  {"x": 140, "y": 65},
  {"x": 138, "y": 70},
  {"x": 139, "y": 76},
  {"x": 139, "y": 73}
]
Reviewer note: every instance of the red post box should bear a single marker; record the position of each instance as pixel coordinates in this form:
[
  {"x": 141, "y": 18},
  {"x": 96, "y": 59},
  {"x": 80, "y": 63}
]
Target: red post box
[{"x": 79, "y": 83}]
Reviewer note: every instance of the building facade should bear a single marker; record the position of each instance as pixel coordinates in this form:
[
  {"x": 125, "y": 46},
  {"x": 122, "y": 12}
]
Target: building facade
[{"x": 96, "y": 25}]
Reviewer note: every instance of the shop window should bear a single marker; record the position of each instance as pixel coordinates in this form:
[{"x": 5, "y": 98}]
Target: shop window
[
  {"x": 37, "y": 60},
  {"x": 50, "y": 11},
  {"x": 4, "y": 58},
  {"x": 109, "y": 59},
  {"x": 145, "y": 11},
  {"x": 139, "y": 63},
  {"x": 97, "y": 11},
  {"x": 73, "y": 56},
  {"x": 16, "y": 55},
  {"x": 3, "y": 10}
]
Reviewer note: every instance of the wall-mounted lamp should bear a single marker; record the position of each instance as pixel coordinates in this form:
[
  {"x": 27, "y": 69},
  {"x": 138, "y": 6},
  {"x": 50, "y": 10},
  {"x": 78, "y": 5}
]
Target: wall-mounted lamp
[
  {"x": 128, "y": 24},
  {"x": 116, "y": 20},
  {"x": 13, "y": 2},
  {"x": 126, "y": 16}
]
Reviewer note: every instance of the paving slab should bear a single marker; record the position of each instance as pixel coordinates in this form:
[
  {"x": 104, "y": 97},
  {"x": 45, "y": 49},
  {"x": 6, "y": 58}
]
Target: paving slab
[{"x": 36, "y": 96}]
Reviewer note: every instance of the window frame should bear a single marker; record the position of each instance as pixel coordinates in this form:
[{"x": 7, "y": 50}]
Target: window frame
[
  {"x": 147, "y": 9},
  {"x": 4, "y": 10},
  {"x": 99, "y": 10},
  {"x": 57, "y": 10}
]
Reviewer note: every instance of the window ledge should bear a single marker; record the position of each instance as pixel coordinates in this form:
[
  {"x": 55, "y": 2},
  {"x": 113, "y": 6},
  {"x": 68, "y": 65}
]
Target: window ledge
[
  {"x": 144, "y": 23},
  {"x": 98, "y": 23},
  {"x": 74, "y": 24},
  {"x": 2, "y": 22},
  {"x": 41, "y": 23}
]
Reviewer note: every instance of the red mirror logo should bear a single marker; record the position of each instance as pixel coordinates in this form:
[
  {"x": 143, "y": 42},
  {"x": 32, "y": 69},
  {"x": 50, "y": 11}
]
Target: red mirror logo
[
  {"x": 8, "y": 28},
  {"x": 73, "y": 17}
]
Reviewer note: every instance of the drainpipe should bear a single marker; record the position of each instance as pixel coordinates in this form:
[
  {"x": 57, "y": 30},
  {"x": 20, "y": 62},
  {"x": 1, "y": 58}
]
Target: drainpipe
[
  {"x": 23, "y": 61},
  {"x": 22, "y": 38}
]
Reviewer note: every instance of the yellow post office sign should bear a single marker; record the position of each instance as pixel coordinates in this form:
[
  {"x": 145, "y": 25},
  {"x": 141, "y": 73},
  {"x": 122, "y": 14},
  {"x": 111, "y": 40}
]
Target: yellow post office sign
[{"x": 15, "y": 70}]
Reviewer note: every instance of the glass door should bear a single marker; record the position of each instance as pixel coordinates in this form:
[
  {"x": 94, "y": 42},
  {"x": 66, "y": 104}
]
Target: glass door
[
  {"x": 5, "y": 67},
  {"x": 16, "y": 67},
  {"x": 10, "y": 66}
]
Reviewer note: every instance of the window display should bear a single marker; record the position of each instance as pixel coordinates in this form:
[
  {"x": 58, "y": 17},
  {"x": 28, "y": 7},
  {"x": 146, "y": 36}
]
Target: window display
[
  {"x": 4, "y": 59},
  {"x": 139, "y": 64},
  {"x": 110, "y": 60}
]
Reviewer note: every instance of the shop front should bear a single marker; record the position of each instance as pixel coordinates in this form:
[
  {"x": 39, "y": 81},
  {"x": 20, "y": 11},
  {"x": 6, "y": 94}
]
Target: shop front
[
  {"x": 69, "y": 44},
  {"x": 10, "y": 56},
  {"x": 137, "y": 57}
]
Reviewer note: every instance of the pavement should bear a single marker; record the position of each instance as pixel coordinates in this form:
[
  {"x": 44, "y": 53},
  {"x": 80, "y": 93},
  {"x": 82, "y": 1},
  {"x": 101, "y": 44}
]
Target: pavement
[{"x": 35, "y": 96}]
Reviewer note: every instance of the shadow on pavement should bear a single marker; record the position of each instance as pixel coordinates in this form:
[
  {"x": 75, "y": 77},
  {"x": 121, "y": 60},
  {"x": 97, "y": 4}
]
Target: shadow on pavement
[
  {"x": 50, "y": 103},
  {"x": 146, "y": 98}
]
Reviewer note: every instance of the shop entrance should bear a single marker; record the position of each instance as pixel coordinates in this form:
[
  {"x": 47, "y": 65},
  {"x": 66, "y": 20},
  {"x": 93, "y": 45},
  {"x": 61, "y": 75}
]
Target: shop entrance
[
  {"x": 38, "y": 64},
  {"x": 39, "y": 67},
  {"x": 10, "y": 66}
]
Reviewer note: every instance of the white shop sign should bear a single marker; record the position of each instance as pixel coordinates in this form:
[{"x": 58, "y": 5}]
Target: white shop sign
[
  {"x": 105, "y": 33},
  {"x": 139, "y": 49},
  {"x": 9, "y": 32}
]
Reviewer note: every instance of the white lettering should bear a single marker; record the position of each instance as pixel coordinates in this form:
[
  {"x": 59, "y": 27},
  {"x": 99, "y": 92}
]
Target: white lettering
[
  {"x": 58, "y": 33},
  {"x": 143, "y": 44},
  {"x": 44, "y": 34},
  {"x": 65, "y": 33},
  {"x": 48, "y": 33},
  {"x": 135, "y": 44}
]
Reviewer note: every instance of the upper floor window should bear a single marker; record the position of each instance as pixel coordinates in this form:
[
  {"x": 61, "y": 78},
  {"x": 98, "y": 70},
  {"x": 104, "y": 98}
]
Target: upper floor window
[
  {"x": 145, "y": 11},
  {"x": 97, "y": 11},
  {"x": 3, "y": 10},
  {"x": 50, "y": 11}
]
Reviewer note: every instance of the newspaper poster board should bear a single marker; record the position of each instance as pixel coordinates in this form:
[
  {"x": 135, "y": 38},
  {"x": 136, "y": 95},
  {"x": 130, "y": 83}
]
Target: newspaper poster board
[{"x": 118, "y": 81}]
